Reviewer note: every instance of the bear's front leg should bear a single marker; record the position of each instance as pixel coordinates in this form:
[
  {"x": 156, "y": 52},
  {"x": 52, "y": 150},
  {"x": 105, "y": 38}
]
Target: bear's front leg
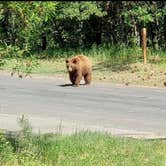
[
  {"x": 72, "y": 78},
  {"x": 78, "y": 79}
]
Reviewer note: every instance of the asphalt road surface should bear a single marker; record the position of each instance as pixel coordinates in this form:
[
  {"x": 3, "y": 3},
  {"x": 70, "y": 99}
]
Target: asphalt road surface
[{"x": 51, "y": 105}]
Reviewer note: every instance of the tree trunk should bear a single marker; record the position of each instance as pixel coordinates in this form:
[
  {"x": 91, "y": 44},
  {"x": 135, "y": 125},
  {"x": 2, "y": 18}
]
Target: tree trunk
[
  {"x": 5, "y": 22},
  {"x": 137, "y": 36},
  {"x": 44, "y": 42},
  {"x": 81, "y": 34}
]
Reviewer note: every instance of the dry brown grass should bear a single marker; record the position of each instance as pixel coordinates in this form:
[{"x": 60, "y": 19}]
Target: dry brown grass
[{"x": 152, "y": 75}]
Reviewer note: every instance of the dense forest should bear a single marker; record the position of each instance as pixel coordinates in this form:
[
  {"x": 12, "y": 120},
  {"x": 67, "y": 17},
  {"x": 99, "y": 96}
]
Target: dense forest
[{"x": 42, "y": 25}]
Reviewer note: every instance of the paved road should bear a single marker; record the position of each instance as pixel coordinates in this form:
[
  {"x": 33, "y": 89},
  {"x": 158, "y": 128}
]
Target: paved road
[{"x": 51, "y": 106}]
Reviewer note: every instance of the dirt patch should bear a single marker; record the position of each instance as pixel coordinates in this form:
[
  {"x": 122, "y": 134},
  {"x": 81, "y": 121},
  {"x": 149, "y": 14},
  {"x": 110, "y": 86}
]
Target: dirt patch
[{"x": 135, "y": 74}]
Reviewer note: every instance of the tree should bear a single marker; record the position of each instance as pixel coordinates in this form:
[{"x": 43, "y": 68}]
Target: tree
[{"x": 40, "y": 25}]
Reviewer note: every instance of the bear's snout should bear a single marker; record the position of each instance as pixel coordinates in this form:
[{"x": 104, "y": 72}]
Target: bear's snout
[{"x": 69, "y": 68}]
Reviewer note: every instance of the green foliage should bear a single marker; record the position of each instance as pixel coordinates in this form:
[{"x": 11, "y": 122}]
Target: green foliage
[
  {"x": 24, "y": 142},
  {"x": 143, "y": 14},
  {"x": 43, "y": 25},
  {"x": 25, "y": 62},
  {"x": 24, "y": 66},
  {"x": 79, "y": 10},
  {"x": 140, "y": 14},
  {"x": 6, "y": 150}
]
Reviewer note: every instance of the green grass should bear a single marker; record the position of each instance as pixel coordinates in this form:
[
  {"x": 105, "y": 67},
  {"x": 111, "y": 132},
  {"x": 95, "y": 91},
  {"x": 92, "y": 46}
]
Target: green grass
[{"x": 83, "y": 149}]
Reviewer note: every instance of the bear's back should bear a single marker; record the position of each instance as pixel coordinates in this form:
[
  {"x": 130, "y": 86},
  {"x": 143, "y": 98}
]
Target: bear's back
[
  {"x": 84, "y": 59},
  {"x": 85, "y": 63}
]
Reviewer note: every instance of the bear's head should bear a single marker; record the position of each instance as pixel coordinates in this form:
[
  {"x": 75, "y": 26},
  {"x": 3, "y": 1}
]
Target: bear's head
[{"x": 72, "y": 64}]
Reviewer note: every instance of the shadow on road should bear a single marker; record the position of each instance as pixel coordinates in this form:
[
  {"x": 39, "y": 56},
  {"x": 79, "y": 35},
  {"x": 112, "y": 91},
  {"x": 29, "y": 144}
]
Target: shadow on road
[{"x": 66, "y": 85}]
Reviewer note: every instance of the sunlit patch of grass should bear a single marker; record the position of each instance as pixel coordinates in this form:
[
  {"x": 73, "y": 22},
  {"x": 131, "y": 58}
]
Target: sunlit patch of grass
[{"x": 54, "y": 66}]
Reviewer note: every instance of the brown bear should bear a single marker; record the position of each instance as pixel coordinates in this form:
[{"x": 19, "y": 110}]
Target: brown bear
[{"x": 78, "y": 67}]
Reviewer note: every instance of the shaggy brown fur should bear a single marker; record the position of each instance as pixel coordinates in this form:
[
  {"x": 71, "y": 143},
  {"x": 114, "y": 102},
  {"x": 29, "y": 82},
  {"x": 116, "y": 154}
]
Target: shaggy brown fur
[{"x": 78, "y": 67}]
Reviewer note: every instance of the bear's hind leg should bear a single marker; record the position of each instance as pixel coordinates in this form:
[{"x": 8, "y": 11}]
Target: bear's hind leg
[{"x": 88, "y": 78}]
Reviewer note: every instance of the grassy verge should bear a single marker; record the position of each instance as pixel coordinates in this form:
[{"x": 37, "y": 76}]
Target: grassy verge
[
  {"x": 84, "y": 148},
  {"x": 110, "y": 64}
]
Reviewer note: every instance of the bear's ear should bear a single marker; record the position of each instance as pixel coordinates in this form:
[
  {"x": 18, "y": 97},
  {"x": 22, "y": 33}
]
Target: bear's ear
[{"x": 75, "y": 61}]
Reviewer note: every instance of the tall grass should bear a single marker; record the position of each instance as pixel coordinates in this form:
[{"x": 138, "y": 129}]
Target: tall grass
[
  {"x": 84, "y": 148},
  {"x": 104, "y": 52},
  {"x": 114, "y": 54},
  {"x": 101, "y": 52}
]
